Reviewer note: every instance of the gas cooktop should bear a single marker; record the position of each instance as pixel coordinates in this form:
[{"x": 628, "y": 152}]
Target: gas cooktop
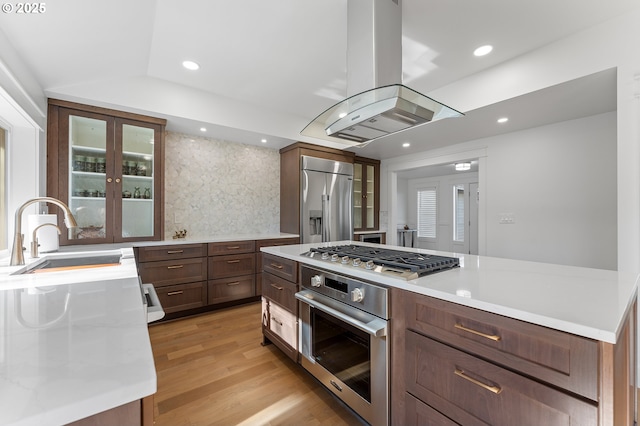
[{"x": 401, "y": 264}]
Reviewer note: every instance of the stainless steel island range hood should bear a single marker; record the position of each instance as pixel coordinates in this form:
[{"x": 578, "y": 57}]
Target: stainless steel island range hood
[{"x": 377, "y": 105}]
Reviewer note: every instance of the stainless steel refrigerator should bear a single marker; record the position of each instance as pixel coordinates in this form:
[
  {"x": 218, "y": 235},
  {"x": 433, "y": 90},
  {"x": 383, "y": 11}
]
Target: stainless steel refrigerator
[{"x": 326, "y": 200}]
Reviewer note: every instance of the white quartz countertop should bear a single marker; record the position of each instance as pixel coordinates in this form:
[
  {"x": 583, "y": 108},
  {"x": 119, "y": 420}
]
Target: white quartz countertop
[
  {"x": 587, "y": 302},
  {"x": 72, "y": 343}
]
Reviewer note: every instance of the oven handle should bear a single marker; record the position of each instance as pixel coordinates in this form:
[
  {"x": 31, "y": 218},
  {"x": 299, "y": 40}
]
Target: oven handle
[{"x": 376, "y": 327}]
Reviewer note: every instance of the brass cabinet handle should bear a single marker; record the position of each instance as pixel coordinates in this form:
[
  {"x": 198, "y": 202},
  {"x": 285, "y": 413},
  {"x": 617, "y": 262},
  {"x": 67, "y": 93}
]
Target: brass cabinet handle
[
  {"x": 175, "y": 267},
  {"x": 277, "y": 287},
  {"x": 234, "y": 283},
  {"x": 173, "y": 293},
  {"x": 117, "y": 180},
  {"x": 493, "y": 337},
  {"x": 494, "y": 389},
  {"x": 274, "y": 265},
  {"x": 109, "y": 180},
  {"x": 233, "y": 261},
  {"x": 233, "y": 247},
  {"x": 174, "y": 251}
]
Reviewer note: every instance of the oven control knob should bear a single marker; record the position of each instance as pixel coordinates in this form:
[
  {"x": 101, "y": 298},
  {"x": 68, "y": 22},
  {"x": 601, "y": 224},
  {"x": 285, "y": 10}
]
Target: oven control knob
[
  {"x": 356, "y": 262},
  {"x": 345, "y": 260},
  {"x": 316, "y": 281},
  {"x": 370, "y": 264},
  {"x": 335, "y": 257},
  {"x": 325, "y": 256},
  {"x": 357, "y": 295}
]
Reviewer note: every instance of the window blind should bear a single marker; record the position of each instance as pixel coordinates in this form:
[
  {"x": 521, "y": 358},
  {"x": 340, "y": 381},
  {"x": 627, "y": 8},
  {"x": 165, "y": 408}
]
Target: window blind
[{"x": 427, "y": 211}]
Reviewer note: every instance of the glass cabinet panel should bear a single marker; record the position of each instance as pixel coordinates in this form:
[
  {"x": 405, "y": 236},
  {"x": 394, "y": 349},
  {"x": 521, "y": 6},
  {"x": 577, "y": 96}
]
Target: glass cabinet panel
[
  {"x": 137, "y": 181},
  {"x": 370, "y": 198},
  {"x": 107, "y": 166},
  {"x": 87, "y": 175},
  {"x": 357, "y": 196}
]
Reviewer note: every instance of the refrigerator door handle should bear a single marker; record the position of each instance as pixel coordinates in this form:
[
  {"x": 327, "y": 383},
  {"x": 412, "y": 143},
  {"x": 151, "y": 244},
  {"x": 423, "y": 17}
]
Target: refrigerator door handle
[{"x": 326, "y": 219}]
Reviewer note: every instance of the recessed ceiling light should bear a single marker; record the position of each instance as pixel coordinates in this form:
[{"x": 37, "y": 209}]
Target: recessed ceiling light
[
  {"x": 203, "y": 129},
  {"x": 190, "y": 65},
  {"x": 263, "y": 140},
  {"x": 463, "y": 166},
  {"x": 406, "y": 145},
  {"x": 502, "y": 120},
  {"x": 483, "y": 50}
]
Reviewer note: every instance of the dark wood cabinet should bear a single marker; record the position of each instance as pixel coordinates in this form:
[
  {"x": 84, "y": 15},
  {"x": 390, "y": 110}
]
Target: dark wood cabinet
[
  {"x": 452, "y": 364},
  {"x": 366, "y": 194},
  {"x": 178, "y": 273},
  {"x": 195, "y": 278},
  {"x": 107, "y": 166},
  {"x": 279, "y": 305}
]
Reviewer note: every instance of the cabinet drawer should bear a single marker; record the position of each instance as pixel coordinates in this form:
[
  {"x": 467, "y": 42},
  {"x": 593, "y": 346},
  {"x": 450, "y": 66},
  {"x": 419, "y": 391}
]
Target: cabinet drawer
[
  {"x": 178, "y": 251},
  {"x": 284, "y": 324},
  {"x": 228, "y": 289},
  {"x": 472, "y": 391},
  {"x": 180, "y": 297},
  {"x": 418, "y": 413},
  {"x": 177, "y": 271},
  {"x": 272, "y": 243},
  {"x": 232, "y": 265},
  {"x": 280, "y": 291},
  {"x": 231, "y": 247},
  {"x": 284, "y": 268},
  {"x": 562, "y": 359}
]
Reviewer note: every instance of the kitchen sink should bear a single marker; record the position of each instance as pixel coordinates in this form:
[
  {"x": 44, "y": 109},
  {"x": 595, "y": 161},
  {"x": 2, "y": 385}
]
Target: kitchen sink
[{"x": 72, "y": 263}]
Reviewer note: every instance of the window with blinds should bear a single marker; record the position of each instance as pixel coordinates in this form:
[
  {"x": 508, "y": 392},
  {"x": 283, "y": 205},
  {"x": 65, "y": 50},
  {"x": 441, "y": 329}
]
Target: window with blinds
[
  {"x": 427, "y": 212},
  {"x": 458, "y": 213}
]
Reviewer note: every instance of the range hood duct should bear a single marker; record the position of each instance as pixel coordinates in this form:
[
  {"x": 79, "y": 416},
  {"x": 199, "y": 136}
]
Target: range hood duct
[{"x": 377, "y": 104}]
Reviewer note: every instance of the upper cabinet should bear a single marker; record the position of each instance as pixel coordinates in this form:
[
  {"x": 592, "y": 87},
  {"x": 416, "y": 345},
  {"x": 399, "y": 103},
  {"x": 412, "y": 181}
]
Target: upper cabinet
[
  {"x": 107, "y": 166},
  {"x": 366, "y": 194}
]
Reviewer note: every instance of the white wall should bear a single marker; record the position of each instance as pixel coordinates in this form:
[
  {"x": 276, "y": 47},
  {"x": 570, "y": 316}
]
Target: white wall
[
  {"x": 559, "y": 184},
  {"x": 613, "y": 44}
]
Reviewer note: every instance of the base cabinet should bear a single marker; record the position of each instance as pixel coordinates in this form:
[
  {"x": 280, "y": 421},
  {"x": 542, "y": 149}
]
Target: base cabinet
[
  {"x": 194, "y": 278},
  {"x": 279, "y": 305},
  {"x": 457, "y": 365}
]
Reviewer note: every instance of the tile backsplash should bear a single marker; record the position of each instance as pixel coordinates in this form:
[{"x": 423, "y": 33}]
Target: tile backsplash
[{"x": 214, "y": 187}]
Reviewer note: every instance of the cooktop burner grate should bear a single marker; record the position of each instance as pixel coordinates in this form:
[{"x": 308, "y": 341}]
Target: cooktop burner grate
[{"x": 420, "y": 263}]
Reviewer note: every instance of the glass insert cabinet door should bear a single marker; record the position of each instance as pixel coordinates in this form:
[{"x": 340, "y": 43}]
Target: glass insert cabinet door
[{"x": 109, "y": 171}]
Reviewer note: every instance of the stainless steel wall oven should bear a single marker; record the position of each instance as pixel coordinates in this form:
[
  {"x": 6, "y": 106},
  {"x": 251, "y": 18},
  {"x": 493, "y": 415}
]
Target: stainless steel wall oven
[{"x": 343, "y": 340}]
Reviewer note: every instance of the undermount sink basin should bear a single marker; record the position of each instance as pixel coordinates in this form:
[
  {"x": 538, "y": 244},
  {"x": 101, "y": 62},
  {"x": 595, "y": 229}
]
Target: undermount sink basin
[{"x": 73, "y": 263}]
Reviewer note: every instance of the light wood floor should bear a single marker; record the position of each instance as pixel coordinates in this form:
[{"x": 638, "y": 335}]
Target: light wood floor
[{"x": 213, "y": 370}]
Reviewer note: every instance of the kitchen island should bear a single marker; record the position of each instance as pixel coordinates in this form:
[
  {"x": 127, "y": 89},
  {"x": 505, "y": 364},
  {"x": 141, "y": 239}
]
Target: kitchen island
[{"x": 582, "y": 319}]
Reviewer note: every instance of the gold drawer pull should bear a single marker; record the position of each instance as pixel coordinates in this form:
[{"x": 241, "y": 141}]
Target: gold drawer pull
[
  {"x": 477, "y": 333},
  {"x": 174, "y": 251},
  {"x": 494, "y": 389},
  {"x": 234, "y": 283},
  {"x": 173, "y": 293},
  {"x": 233, "y": 261},
  {"x": 274, "y": 265},
  {"x": 277, "y": 287},
  {"x": 175, "y": 267},
  {"x": 233, "y": 247}
]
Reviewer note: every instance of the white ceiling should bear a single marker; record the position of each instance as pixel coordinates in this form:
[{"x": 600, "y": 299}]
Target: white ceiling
[{"x": 268, "y": 68}]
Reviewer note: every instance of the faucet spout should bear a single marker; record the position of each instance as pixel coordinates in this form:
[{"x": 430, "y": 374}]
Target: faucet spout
[{"x": 17, "y": 255}]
